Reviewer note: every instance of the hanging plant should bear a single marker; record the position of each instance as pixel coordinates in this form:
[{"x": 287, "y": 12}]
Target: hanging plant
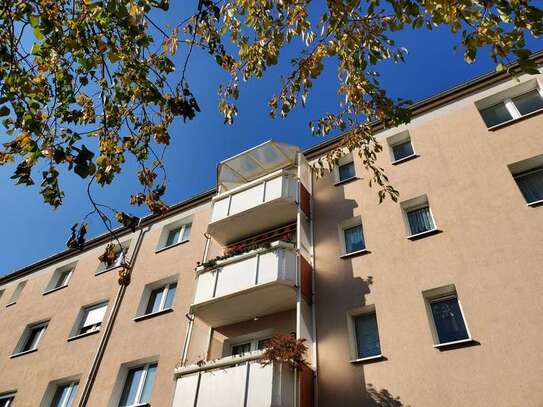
[
  {"x": 284, "y": 349},
  {"x": 110, "y": 254}
]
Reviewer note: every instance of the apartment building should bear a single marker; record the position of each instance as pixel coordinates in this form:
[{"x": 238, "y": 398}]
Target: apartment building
[{"x": 433, "y": 300}]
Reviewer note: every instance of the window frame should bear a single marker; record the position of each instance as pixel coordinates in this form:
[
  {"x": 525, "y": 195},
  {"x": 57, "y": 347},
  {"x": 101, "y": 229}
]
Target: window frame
[
  {"x": 141, "y": 312},
  {"x": 16, "y": 294},
  {"x": 253, "y": 343},
  {"x": 141, "y": 383},
  {"x": 441, "y": 294},
  {"x": 344, "y": 160},
  {"x": 76, "y": 333},
  {"x": 57, "y": 386},
  {"x": 506, "y": 98},
  {"x": 166, "y": 288},
  {"x": 414, "y": 204},
  {"x": 23, "y": 342},
  {"x": 55, "y": 278},
  {"x": 350, "y": 224},
  {"x": 523, "y": 174},
  {"x": 352, "y": 333},
  {"x": 9, "y": 396},
  {"x": 397, "y": 139},
  {"x": 104, "y": 268},
  {"x": 183, "y": 225}
]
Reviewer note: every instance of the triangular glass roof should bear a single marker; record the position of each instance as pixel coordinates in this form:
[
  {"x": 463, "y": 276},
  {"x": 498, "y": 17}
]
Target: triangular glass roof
[{"x": 255, "y": 163}]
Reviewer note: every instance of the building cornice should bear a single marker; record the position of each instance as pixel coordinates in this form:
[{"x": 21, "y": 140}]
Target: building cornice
[{"x": 419, "y": 108}]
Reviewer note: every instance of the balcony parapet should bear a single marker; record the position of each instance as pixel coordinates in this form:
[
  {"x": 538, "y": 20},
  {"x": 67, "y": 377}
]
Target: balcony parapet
[{"x": 259, "y": 282}]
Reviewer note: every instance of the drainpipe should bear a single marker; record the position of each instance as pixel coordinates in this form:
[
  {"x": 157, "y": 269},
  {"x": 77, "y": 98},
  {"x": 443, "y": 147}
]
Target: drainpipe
[{"x": 109, "y": 326}]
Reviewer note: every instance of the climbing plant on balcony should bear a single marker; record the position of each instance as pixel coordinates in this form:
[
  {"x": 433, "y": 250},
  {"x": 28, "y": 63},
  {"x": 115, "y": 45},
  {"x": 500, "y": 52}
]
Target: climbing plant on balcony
[{"x": 285, "y": 349}]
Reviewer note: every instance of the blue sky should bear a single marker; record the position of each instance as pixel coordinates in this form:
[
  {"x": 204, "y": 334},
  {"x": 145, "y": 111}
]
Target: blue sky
[{"x": 33, "y": 230}]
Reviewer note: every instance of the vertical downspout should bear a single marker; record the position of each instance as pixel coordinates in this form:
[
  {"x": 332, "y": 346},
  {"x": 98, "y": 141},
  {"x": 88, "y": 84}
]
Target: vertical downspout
[
  {"x": 313, "y": 293},
  {"x": 109, "y": 326}
]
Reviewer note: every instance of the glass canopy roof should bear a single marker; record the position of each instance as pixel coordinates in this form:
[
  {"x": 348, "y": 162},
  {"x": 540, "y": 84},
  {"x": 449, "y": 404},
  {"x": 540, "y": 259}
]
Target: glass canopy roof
[{"x": 255, "y": 163}]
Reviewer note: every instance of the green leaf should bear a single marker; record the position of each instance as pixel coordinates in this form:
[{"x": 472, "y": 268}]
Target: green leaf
[{"x": 4, "y": 111}]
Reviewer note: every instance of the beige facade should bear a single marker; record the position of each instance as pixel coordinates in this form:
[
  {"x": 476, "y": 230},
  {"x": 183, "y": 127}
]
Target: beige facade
[{"x": 293, "y": 269}]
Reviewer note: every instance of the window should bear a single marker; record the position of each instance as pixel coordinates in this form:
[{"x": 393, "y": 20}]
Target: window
[
  {"x": 6, "y": 399},
  {"x": 511, "y": 104},
  {"x": 352, "y": 236},
  {"x": 402, "y": 150},
  {"x": 249, "y": 345},
  {"x": 354, "y": 239},
  {"x": 528, "y": 175},
  {"x": 31, "y": 337},
  {"x": 445, "y": 311},
  {"x": 91, "y": 318},
  {"x": 138, "y": 385},
  {"x": 401, "y": 147},
  {"x": 161, "y": 298},
  {"x": 65, "y": 395},
  {"x": 367, "y": 336},
  {"x": 60, "y": 278},
  {"x": 178, "y": 235},
  {"x": 345, "y": 169},
  {"x": 16, "y": 293},
  {"x": 418, "y": 216},
  {"x": 103, "y": 267}
]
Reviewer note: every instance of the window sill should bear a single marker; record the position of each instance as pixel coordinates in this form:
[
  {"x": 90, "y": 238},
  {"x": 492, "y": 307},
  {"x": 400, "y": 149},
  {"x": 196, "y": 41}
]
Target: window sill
[
  {"x": 402, "y": 160},
  {"x": 516, "y": 119},
  {"x": 423, "y": 234},
  {"x": 354, "y": 254},
  {"x": 461, "y": 342},
  {"x": 11, "y": 303},
  {"x": 107, "y": 270},
  {"x": 368, "y": 359},
  {"x": 535, "y": 203},
  {"x": 26, "y": 352},
  {"x": 73, "y": 338},
  {"x": 52, "y": 290},
  {"x": 171, "y": 246},
  {"x": 153, "y": 314},
  {"x": 346, "y": 181}
]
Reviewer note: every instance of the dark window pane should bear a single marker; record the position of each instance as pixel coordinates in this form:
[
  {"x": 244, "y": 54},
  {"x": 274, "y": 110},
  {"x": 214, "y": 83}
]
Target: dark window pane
[
  {"x": 346, "y": 171},
  {"x": 448, "y": 320},
  {"x": 402, "y": 150},
  {"x": 367, "y": 336},
  {"x": 33, "y": 338},
  {"x": 496, "y": 114},
  {"x": 262, "y": 343},
  {"x": 354, "y": 239},
  {"x": 130, "y": 391},
  {"x": 529, "y": 102},
  {"x": 531, "y": 185},
  {"x": 241, "y": 348},
  {"x": 170, "y": 296},
  {"x": 154, "y": 300},
  {"x": 420, "y": 220},
  {"x": 173, "y": 236}
]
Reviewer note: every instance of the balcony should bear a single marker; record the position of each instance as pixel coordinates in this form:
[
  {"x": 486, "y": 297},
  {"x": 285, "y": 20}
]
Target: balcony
[
  {"x": 253, "y": 207},
  {"x": 235, "y": 381},
  {"x": 256, "y": 283}
]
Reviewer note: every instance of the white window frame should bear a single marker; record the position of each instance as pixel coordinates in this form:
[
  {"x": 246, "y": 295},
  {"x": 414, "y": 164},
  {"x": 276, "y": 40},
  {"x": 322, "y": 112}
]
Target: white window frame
[
  {"x": 506, "y": 97},
  {"x": 348, "y": 224},
  {"x": 524, "y": 166},
  {"x": 179, "y": 224},
  {"x": 252, "y": 338},
  {"x": 146, "y": 296},
  {"x": 440, "y": 294},
  {"x": 400, "y": 138},
  {"x": 9, "y": 397},
  {"x": 83, "y": 312},
  {"x": 125, "y": 246},
  {"x": 71, "y": 385},
  {"x": 345, "y": 159},
  {"x": 165, "y": 290},
  {"x": 19, "y": 349},
  {"x": 141, "y": 383},
  {"x": 413, "y": 204},
  {"x": 351, "y": 329},
  {"x": 55, "y": 278},
  {"x": 16, "y": 293}
]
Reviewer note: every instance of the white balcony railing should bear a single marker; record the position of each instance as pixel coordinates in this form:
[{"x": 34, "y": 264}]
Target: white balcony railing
[
  {"x": 235, "y": 381},
  {"x": 252, "y": 284},
  {"x": 266, "y": 202}
]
